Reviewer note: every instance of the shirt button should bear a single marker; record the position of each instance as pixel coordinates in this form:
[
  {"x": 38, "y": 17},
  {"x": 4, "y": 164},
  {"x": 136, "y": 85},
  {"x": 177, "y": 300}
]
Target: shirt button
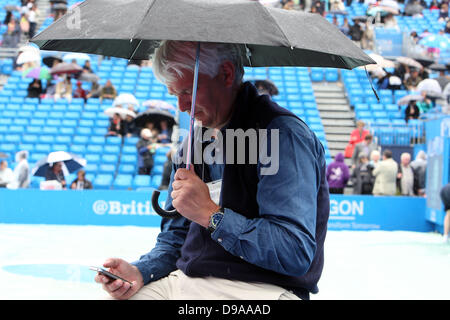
[
  {"x": 220, "y": 239},
  {"x": 151, "y": 276}
]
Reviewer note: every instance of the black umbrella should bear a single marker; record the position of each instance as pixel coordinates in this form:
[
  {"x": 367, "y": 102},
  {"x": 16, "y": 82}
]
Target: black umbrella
[
  {"x": 267, "y": 36},
  {"x": 154, "y": 116},
  {"x": 360, "y": 18},
  {"x": 58, "y": 1},
  {"x": 424, "y": 61},
  {"x": 437, "y": 67},
  {"x": 48, "y": 61}
]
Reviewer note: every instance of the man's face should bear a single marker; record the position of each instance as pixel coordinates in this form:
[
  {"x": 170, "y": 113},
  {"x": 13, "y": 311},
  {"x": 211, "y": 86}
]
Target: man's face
[
  {"x": 209, "y": 107},
  {"x": 3, "y": 165},
  {"x": 405, "y": 160}
]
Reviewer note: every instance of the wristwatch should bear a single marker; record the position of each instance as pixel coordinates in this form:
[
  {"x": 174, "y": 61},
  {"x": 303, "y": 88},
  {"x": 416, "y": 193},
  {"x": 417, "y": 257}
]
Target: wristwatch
[{"x": 215, "y": 219}]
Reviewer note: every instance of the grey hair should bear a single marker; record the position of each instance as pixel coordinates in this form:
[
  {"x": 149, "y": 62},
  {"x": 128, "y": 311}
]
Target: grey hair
[{"x": 171, "y": 58}]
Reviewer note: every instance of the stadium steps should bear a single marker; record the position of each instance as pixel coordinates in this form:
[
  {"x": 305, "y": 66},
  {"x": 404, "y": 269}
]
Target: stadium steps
[{"x": 337, "y": 116}]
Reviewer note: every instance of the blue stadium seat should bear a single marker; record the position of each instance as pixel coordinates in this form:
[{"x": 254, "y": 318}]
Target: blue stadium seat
[
  {"x": 127, "y": 169},
  {"x": 103, "y": 181},
  {"x": 123, "y": 181},
  {"x": 111, "y": 149},
  {"x": 107, "y": 168},
  {"x": 141, "y": 181},
  {"x": 109, "y": 158},
  {"x": 128, "y": 159}
]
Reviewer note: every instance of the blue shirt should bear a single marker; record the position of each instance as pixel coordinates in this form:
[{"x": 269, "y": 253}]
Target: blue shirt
[{"x": 283, "y": 238}]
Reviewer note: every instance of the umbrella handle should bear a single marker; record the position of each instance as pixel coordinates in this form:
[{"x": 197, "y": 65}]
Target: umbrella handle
[{"x": 170, "y": 214}]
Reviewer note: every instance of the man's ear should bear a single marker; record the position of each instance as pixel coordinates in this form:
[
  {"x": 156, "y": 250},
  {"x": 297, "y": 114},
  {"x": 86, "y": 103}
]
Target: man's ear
[{"x": 227, "y": 72}]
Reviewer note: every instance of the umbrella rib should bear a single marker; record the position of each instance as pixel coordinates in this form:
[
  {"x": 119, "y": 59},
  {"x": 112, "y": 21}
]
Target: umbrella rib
[
  {"x": 144, "y": 16},
  {"x": 276, "y": 23}
]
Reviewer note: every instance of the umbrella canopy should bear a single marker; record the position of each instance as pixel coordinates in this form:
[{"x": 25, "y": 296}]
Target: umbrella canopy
[
  {"x": 12, "y": 7},
  {"x": 441, "y": 42},
  {"x": 158, "y": 104},
  {"x": 50, "y": 60},
  {"x": 382, "y": 10},
  {"x": 3, "y": 155},
  {"x": 66, "y": 68},
  {"x": 124, "y": 99},
  {"x": 382, "y": 62},
  {"x": 437, "y": 67},
  {"x": 70, "y": 161},
  {"x": 155, "y": 116},
  {"x": 409, "y": 62},
  {"x": 430, "y": 86},
  {"x": 28, "y": 56},
  {"x": 408, "y": 98},
  {"x": 41, "y": 73},
  {"x": 110, "y": 112},
  {"x": 412, "y": 8},
  {"x": 80, "y": 58},
  {"x": 268, "y": 36},
  {"x": 58, "y": 1},
  {"x": 88, "y": 77}
]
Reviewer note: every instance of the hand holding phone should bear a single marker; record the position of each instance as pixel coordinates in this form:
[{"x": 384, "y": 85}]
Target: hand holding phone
[{"x": 109, "y": 274}]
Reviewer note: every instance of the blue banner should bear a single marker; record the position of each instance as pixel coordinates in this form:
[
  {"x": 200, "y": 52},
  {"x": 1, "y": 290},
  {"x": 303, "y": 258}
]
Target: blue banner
[
  {"x": 118, "y": 208},
  {"x": 438, "y": 162}
]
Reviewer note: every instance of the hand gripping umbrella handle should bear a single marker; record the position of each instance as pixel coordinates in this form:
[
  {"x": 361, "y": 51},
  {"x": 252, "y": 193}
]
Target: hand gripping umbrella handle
[{"x": 170, "y": 214}]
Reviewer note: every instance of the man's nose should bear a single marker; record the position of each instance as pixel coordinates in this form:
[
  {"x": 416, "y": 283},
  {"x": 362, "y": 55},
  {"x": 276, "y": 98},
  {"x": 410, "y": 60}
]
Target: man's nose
[{"x": 184, "y": 104}]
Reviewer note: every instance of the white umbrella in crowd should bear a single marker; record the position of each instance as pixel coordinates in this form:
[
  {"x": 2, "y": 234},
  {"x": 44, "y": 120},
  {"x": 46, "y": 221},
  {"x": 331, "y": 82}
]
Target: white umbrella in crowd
[
  {"x": 125, "y": 99},
  {"x": 71, "y": 163},
  {"x": 123, "y": 112},
  {"x": 158, "y": 104}
]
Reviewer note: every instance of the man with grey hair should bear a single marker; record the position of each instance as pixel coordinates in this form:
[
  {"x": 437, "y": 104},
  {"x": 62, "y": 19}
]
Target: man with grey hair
[
  {"x": 405, "y": 175},
  {"x": 263, "y": 237},
  {"x": 21, "y": 172}
]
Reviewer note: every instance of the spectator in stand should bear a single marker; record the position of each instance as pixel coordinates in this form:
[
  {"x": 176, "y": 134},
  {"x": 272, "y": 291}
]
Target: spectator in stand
[
  {"x": 345, "y": 28},
  {"x": 108, "y": 91},
  {"x": 356, "y": 136},
  {"x": 11, "y": 38},
  {"x": 87, "y": 67},
  {"x": 374, "y": 158},
  {"x": 32, "y": 20},
  {"x": 55, "y": 172},
  {"x": 337, "y": 174},
  {"x": 447, "y": 27},
  {"x": 366, "y": 147},
  {"x": 412, "y": 80},
  {"x": 81, "y": 183},
  {"x": 386, "y": 176},
  {"x": 426, "y": 104},
  {"x": 356, "y": 32},
  {"x": 63, "y": 89},
  {"x": 419, "y": 166},
  {"x": 412, "y": 111},
  {"x": 80, "y": 92},
  {"x": 445, "y": 197},
  {"x": 319, "y": 7},
  {"x": 405, "y": 176},
  {"x": 131, "y": 130},
  {"x": 443, "y": 79},
  {"x": 443, "y": 12},
  {"x": 362, "y": 177},
  {"x": 6, "y": 174},
  {"x": 95, "y": 92},
  {"x": 145, "y": 149},
  {"x": 21, "y": 171},
  {"x": 35, "y": 89},
  {"x": 337, "y": 5},
  {"x": 116, "y": 127},
  {"x": 289, "y": 5},
  {"x": 367, "y": 39},
  {"x": 165, "y": 134}
]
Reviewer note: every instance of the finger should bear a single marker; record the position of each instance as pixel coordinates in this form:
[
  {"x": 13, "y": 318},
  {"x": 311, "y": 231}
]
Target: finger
[
  {"x": 176, "y": 185},
  {"x": 111, "y": 263},
  {"x": 181, "y": 174},
  {"x": 114, "y": 285},
  {"x": 133, "y": 289},
  {"x": 118, "y": 294}
]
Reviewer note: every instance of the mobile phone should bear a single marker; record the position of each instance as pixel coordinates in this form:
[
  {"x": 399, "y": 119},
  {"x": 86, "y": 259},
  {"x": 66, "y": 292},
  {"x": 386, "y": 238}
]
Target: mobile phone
[{"x": 109, "y": 274}]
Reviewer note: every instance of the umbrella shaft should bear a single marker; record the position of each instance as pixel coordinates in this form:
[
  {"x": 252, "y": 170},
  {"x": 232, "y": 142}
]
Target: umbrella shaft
[{"x": 194, "y": 96}]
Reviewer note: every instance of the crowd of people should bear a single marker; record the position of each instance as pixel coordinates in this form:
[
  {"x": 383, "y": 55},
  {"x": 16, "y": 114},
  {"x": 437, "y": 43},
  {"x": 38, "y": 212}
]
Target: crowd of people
[
  {"x": 375, "y": 173},
  {"x": 22, "y": 27}
]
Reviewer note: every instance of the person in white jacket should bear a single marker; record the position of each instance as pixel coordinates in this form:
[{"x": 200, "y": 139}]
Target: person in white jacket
[{"x": 21, "y": 172}]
